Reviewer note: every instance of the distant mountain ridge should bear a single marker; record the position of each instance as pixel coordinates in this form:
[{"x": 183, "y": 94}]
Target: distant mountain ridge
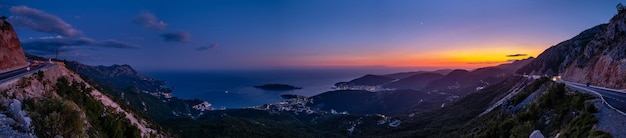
[
  {"x": 440, "y": 80},
  {"x": 464, "y": 80},
  {"x": 415, "y": 82},
  {"x": 421, "y": 91},
  {"x": 121, "y": 76},
  {"x": 368, "y": 80},
  {"x": 402, "y": 75}
]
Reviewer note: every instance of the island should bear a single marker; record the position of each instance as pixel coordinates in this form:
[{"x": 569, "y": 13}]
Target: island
[{"x": 279, "y": 87}]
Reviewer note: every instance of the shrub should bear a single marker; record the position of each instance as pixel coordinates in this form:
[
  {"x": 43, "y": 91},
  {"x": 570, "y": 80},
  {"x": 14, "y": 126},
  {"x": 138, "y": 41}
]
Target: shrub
[
  {"x": 24, "y": 82},
  {"x": 52, "y": 117},
  {"x": 581, "y": 126},
  {"x": 40, "y": 75}
]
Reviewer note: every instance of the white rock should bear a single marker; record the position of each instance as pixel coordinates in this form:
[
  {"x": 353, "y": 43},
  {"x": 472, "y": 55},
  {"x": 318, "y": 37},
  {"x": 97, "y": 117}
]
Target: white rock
[
  {"x": 395, "y": 123},
  {"x": 536, "y": 134}
]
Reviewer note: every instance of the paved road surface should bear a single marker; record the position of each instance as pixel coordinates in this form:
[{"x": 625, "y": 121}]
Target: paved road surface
[
  {"x": 6, "y": 76},
  {"x": 615, "y": 98}
]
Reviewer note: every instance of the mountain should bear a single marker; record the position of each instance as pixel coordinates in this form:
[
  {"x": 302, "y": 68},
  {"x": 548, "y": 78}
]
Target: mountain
[
  {"x": 402, "y": 75},
  {"x": 515, "y": 65},
  {"x": 569, "y": 113},
  {"x": 121, "y": 76},
  {"x": 142, "y": 93},
  {"x": 52, "y": 101},
  {"x": 594, "y": 56},
  {"x": 453, "y": 79},
  {"x": 386, "y": 102},
  {"x": 460, "y": 82},
  {"x": 555, "y": 59},
  {"x": 404, "y": 80},
  {"x": 421, "y": 92},
  {"x": 597, "y": 55},
  {"x": 415, "y": 82},
  {"x": 602, "y": 60},
  {"x": 55, "y": 101},
  {"x": 11, "y": 52},
  {"x": 367, "y": 80}
]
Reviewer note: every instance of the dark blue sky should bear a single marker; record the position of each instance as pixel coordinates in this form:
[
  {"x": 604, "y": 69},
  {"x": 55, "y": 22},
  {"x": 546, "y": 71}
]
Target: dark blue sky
[{"x": 232, "y": 34}]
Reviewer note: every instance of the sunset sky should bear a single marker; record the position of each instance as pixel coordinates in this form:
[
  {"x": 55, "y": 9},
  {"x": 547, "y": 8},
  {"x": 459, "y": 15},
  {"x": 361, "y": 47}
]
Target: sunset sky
[{"x": 233, "y": 34}]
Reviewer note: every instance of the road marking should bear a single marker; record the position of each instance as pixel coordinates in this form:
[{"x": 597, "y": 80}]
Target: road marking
[{"x": 572, "y": 84}]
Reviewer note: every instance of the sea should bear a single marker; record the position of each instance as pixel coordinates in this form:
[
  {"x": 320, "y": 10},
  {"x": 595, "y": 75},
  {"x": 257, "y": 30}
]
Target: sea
[{"x": 234, "y": 88}]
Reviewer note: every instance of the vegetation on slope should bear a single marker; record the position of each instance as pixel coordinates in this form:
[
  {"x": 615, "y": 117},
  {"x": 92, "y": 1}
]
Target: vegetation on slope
[
  {"x": 134, "y": 98},
  {"x": 52, "y": 117},
  {"x": 534, "y": 86},
  {"x": 556, "y": 111},
  {"x": 448, "y": 121},
  {"x": 62, "y": 115},
  {"x": 152, "y": 108}
]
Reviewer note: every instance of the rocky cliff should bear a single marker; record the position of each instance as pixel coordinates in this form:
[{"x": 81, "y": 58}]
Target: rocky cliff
[
  {"x": 554, "y": 59},
  {"x": 603, "y": 60},
  {"x": 597, "y": 55},
  {"x": 11, "y": 52}
]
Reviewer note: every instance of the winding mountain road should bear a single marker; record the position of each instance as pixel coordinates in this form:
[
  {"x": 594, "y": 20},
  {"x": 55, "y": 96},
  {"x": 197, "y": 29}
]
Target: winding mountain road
[
  {"x": 616, "y": 99},
  {"x": 17, "y": 73}
]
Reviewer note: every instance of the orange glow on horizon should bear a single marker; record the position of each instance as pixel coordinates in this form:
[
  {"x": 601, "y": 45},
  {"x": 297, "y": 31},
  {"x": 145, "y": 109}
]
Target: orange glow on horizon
[{"x": 469, "y": 58}]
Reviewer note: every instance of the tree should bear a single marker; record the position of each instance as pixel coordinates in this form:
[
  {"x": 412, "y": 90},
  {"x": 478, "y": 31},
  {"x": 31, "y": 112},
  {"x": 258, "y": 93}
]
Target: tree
[{"x": 620, "y": 7}]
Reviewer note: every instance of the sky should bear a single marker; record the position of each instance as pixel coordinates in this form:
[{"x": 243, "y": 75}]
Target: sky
[{"x": 270, "y": 34}]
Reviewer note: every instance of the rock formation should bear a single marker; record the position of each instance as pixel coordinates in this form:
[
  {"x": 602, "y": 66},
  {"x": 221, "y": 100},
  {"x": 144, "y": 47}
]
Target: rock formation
[
  {"x": 11, "y": 52},
  {"x": 597, "y": 55},
  {"x": 603, "y": 60}
]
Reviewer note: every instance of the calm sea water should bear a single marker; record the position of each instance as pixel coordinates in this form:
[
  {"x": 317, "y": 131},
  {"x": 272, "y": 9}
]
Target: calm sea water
[{"x": 234, "y": 89}]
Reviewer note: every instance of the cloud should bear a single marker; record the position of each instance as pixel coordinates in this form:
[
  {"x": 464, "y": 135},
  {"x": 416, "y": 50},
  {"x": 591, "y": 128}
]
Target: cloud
[
  {"x": 48, "y": 37},
  {"x": 42, "y": 21},
  {"x": 77, "y": 55},
  {"x": 517, "y": 55},
  {"x": 176, "y": 37},
  {"x": 50, "y": 46},
  {"x": 212, "y": 46},
  {"x": 148, "y": 20},
  {"x": 60, "y": 42},
  {"x": 116, "y": 44}
]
